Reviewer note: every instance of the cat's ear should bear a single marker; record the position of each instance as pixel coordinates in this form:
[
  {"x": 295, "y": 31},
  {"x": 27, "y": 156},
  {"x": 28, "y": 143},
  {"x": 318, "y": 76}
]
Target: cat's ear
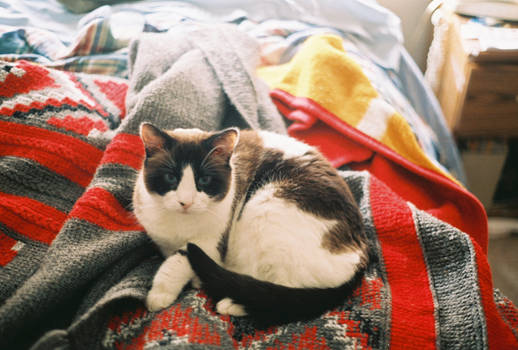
[
  {"x": 154, "y": 139},
  {"x": 224, "y": 142}
]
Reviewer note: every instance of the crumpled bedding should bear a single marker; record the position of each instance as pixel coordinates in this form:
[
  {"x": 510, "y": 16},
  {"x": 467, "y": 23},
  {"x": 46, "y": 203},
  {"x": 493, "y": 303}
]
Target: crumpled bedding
[
  {"x": 77, "y": 266},
  {"x": 97, "y": 42}
]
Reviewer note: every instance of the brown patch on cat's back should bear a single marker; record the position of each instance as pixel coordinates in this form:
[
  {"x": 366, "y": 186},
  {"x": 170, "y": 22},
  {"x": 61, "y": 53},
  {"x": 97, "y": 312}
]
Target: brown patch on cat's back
[
  {"x": 310, "y": 182},
  {"x": 313, "y": 185},
  {"x": 247, "y": 157},
  {"x": 250, "y": 144},
  {"x": 339, "y": 239},
  {"x": 245, "y": 160},
  {"x": 333, "y": 240}
]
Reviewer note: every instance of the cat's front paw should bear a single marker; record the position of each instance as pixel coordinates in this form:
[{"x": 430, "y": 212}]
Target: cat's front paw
[
  {"x": 158, "y": 299},
  {"x": 227, "y": 306}
]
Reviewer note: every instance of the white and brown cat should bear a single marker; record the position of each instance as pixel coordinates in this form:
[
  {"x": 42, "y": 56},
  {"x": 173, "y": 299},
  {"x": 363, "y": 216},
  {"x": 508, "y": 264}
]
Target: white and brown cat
[{"x": 262, "y": 220}]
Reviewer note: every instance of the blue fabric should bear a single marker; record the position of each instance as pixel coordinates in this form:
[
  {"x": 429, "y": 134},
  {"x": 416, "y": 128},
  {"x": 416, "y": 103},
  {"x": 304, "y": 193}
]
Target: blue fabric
[{"x": 425, "y": 103}]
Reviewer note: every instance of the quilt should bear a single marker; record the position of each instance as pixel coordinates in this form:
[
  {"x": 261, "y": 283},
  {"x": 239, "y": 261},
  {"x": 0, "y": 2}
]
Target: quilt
[{"x": 75, "y": 265}]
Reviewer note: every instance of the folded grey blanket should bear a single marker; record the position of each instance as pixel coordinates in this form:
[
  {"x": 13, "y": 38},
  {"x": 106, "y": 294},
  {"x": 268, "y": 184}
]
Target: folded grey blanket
[
  {"x": 198, "y": 76},
  {"x": 58, "y": 292}
]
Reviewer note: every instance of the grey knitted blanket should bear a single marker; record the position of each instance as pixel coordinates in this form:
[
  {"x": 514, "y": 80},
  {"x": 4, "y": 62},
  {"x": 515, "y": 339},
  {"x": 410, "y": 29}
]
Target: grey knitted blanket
[
  {"x": 72, "y": 246},
  {"x": 75, "y": 266}
]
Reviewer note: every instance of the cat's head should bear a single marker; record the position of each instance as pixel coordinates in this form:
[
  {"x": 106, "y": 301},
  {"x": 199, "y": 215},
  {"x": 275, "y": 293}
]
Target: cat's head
[{"x": 188, "y": 170}]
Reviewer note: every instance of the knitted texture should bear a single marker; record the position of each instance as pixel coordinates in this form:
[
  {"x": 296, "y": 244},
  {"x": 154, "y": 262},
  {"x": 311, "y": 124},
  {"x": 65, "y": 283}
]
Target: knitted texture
[
  {"x": 75, "y": 266},
  {"x": 70, "y": 157}
]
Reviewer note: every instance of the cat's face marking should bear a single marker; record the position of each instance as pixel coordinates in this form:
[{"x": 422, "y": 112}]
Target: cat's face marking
[
  {"x": 187, "y": 198},
  {"x": 188, "y": 170}
]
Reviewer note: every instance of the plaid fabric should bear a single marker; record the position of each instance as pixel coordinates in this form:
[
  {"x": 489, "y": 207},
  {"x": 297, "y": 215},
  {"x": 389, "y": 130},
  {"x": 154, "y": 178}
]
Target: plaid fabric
[{"x": 94, "y": 49}]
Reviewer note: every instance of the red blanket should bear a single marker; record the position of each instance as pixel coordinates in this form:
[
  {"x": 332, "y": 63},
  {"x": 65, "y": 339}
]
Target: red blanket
[
  {"x": 409, "y": 274},
  {"x": 345, "y": 145}
]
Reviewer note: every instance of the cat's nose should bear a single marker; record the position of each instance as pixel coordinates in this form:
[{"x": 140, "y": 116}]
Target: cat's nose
[{"x": 185, "y": 205}]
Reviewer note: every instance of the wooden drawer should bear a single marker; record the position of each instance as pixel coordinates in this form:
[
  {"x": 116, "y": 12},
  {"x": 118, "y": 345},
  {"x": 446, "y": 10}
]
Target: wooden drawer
[{"x": 490, "y": 102}]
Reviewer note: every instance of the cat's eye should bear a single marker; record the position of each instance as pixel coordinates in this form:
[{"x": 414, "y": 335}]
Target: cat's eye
[
  {"x": 171, "y": 179},
  {"x": 204, "y": 180}
]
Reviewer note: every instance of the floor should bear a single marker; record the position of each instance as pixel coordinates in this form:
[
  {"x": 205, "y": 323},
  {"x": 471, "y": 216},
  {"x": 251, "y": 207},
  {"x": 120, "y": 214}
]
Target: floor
[
  {"x": 503, "y": 225},
  {"x": 503, "y": 259}
]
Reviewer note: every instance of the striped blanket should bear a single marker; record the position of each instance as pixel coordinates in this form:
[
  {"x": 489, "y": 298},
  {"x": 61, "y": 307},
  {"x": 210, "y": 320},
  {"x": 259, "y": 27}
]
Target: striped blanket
[{"x": 75, "y": 266}]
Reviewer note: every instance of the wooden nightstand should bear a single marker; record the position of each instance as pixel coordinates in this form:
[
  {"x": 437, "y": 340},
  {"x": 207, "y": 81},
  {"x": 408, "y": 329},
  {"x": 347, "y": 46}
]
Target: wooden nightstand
[
  {"x": 478, "y": 88},
  {"x": 478, "y": 92}
]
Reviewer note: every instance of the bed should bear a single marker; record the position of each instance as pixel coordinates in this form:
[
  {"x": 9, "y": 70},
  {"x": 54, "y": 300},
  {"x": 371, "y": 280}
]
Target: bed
[{"x": 75, "y": 265}]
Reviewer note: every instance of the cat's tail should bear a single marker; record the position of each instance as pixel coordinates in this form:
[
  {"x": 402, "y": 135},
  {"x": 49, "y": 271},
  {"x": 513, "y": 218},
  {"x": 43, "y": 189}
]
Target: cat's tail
[{"x": 267, "y": 303}]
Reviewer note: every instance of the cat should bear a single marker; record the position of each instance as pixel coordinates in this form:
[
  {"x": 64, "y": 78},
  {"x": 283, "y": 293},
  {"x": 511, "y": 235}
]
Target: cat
[{"x": 260, "y": 220}]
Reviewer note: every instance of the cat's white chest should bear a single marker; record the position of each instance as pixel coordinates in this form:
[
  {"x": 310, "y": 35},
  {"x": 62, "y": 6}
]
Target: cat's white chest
[{"x": 172, "y": 232}]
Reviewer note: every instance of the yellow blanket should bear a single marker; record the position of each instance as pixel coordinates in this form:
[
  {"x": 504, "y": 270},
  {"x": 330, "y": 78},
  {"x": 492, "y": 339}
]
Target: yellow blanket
[{"x": 323, "y": 72}]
